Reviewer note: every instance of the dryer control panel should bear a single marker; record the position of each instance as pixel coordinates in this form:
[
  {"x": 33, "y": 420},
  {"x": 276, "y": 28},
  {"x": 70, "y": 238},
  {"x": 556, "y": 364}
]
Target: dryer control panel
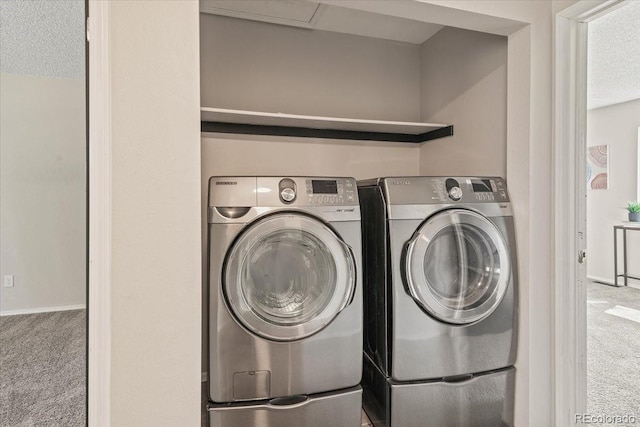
[
  {"x": 471, "y": 190},
  {"x": 443, "y": 190}
]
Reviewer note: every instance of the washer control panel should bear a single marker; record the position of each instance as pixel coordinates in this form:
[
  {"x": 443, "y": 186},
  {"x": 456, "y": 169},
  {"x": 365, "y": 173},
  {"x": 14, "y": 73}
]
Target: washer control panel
[
  {"x": 339, "y": 191},
  {"x": 278, "y": 191}
]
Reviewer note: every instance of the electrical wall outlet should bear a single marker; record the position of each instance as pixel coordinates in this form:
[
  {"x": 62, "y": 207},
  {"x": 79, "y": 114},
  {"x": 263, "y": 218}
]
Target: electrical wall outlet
[{"x": 8, "y": 281}]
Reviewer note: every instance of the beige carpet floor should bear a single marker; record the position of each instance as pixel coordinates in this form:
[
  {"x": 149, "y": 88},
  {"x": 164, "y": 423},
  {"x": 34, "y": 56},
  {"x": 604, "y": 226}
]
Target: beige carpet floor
[
  {"x": 613, "y": 351},
  {"x": 43, "y": 370},
  {"x": 43, "y": 362}
]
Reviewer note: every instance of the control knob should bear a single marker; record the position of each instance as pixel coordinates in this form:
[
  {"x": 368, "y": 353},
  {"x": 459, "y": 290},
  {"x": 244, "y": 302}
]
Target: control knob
[
  {"x": 455, "y": 193},
  {"x": 288, "y": 194}
]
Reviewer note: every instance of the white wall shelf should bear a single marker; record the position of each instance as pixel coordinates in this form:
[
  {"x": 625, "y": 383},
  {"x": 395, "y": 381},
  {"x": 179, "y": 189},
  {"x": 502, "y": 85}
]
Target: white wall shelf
[{"x": 220, "y": 120}]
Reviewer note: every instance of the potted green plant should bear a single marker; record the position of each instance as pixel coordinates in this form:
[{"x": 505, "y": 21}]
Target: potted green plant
[{"x": 634, "y": 211}]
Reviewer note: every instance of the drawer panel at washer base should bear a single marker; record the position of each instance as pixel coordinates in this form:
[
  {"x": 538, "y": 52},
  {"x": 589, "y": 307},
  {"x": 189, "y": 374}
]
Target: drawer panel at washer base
[
  {"x": 487, "y": 400},
  {"x": 341, "y": 408}
]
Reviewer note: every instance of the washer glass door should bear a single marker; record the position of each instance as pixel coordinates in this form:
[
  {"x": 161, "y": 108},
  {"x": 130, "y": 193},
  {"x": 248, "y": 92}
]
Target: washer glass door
[
  {"x": 457, "y": 266},
  {"x": 287, "y": 276}
]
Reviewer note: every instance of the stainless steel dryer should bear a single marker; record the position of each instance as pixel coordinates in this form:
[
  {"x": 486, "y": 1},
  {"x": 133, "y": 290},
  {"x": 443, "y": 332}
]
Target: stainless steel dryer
[
  {"x": 440, "y": 301},
  {"x": 285, "y": 302}
]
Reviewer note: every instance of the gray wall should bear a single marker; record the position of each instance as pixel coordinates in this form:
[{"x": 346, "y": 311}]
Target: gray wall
[
  {"x": 464, "y": 82},
  {"x": 615, "y": 125},
  {"x": 250, "y": 65},
  {"x": 42, "y": 155}
]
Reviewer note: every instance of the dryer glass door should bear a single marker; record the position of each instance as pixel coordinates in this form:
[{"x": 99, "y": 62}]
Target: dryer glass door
[
  {"x": 457, "y": 266},
  {"x": 287, "y": 276}
]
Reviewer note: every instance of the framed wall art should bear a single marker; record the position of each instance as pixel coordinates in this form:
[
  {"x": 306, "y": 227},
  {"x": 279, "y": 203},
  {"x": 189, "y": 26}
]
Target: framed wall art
[{"x": 598, "y": 167}]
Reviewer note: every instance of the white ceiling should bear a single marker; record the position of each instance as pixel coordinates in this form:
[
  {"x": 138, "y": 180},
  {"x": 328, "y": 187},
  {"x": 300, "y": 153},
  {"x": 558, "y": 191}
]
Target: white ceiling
[
  {"x": 614, "y": 57},
  {"x": 42, "y": 38},
  {"x": 313, "y": 15}
]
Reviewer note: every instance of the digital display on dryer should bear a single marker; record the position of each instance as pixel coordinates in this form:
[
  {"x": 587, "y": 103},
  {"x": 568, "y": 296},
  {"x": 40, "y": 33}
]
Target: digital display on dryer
[
  {"x": 324, "y": 186},
  {"x": 481, "y": 186}
]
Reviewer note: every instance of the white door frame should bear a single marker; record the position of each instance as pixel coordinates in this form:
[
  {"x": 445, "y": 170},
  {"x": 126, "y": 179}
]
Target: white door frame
[
  {"x": 570, "y": 104},
  {"x": 99, "y": 328},
  {"x": 569, "y": 352}
]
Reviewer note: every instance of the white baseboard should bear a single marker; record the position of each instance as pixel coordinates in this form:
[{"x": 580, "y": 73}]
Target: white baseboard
[
  {"x": 633, "y": 283},
  {"x": 600, "y": 279},
  {"x": 43, "y": 310}
]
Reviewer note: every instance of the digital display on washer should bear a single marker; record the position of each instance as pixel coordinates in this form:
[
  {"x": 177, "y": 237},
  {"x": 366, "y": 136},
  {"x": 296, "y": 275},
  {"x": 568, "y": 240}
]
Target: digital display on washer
[
  {"x": 481, "y": 185},
  {"x": 324, "y": 186}
]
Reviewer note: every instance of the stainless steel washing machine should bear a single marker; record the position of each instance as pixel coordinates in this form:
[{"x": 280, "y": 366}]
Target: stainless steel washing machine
[
  {"x": 440, "y": 301},
  {"x": 285, "y": 302}
]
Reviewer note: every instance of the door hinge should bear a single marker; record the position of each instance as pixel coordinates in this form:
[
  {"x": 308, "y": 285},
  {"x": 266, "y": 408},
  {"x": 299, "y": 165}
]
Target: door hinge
[{"x": 88, "y": 30}]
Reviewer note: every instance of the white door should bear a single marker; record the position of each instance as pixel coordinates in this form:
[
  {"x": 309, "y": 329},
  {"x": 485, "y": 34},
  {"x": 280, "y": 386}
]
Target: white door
[
  {"x": 288, "y": 276},
  {"x": 457, "y": 266},
  {"x": 570, "y": 334}
]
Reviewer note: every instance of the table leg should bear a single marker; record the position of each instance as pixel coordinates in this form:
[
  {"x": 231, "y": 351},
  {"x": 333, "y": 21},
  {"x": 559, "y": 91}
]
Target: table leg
[
  {"x": 624, "y": 253},
  {"x": 615, "y": 256}
]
